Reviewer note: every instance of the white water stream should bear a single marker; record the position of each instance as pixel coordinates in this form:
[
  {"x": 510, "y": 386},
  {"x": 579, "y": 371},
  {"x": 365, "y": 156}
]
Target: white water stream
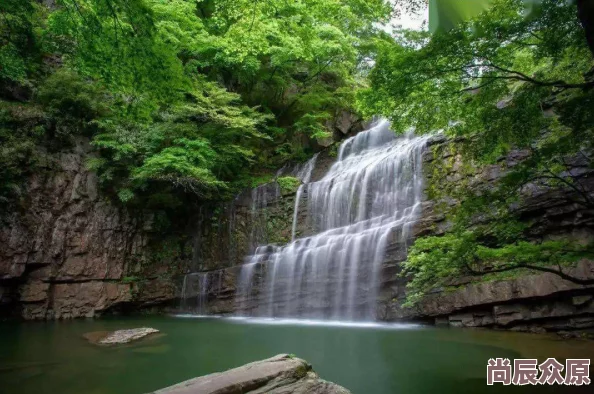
[{"x": 369, "y": 198}]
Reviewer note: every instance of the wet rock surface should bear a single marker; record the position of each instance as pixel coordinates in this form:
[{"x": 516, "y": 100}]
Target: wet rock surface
[
  {"x": 69, "y": 251},
  {"x": 282, "y": 374},
  {"x": 119, "y": 337},
  {"x": 535, "y": 302}
]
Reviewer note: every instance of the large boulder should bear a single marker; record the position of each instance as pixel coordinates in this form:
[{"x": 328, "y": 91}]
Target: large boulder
[{"x": 280, "y": 374}]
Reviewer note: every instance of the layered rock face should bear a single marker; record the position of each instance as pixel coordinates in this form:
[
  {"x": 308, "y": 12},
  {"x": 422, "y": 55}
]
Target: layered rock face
[
  {"x": 229, "y": 234},
  {"x": 70, "y": 252},
  {"x": 532, "y": 303},
  {"x": 280, "y": 374},
  {"x": 369, "y": 197},
  {"x": 67, "y": 251},
  {"x": 542, "y": 302}
]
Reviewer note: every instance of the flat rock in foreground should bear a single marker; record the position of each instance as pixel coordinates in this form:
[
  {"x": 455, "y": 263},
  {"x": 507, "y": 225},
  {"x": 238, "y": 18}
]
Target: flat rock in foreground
[
  {"x": 282, "y": 374},
  {"x": 119, "y": 336}
]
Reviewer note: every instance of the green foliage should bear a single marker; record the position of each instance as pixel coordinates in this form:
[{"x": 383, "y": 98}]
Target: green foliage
[
  {"x": 65, "y": 93},
  {"x": 506, "y": 79},
  {"x": 185, "y": 98},
  {"x": 446, "y": 14},
  {"x": 118, "y": 43},
  {"x": 19, "y": 40},
  {"x": 130, "y": 279},
  {"x": 20, "y": 130},
  {"x": 290, "y": 58},
  {"x": 489, "y": 75},
  {"x": 257, "y": 180},
  {"x": 197, "y": 147},
  {"x": 333, "y": 151},
  {"x": 288, "y": 184},
  {"x": 432, "y": 262},
  {"x": 312, "y": 125},
  {"x": 185, "y": 164},
  {"x": 435, "y": 262},
  {"x": 71, "y": 104}
]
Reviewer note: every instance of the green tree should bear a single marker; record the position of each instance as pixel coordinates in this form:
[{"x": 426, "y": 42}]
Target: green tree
[
  {"x": 446, "y": 14},
  {"x": 188, "y": 98},
  {"x": 19, "y": 42},
  {"x": 435, "y": 262},
  {"x": 499, "y": 81}
]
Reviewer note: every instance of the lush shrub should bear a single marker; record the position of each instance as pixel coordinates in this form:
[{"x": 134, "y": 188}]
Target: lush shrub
[{"x": 288, "y": 184}]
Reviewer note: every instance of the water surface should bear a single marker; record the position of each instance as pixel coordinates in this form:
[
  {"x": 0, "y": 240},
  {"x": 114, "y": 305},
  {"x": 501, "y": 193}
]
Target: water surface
[{"x": 54, "y": 358}]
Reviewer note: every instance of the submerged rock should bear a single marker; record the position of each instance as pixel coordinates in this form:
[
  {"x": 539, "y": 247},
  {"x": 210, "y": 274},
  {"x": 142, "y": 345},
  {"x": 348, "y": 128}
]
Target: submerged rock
[
  {"x": 119, "y": 336},
  {"x": 280, "y": 374}
]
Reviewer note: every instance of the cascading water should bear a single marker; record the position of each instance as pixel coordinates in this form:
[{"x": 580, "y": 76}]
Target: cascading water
[
  {"x": 369, "y": 199},
  {"x": 196, "y": 287},
  {"x": 304, "y": 174},
  {"x": 194, "y": 292},
  {"x": 260, "y": 196},
  {"x": 199, "y": 286}
]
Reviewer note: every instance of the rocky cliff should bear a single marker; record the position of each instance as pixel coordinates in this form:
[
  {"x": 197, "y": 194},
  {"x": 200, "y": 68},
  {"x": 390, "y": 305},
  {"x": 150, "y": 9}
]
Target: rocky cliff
[
  {"x": 67, "y": 251},
  {"x": 529, "y": 302},
  {"x": 538, "y": 302}
]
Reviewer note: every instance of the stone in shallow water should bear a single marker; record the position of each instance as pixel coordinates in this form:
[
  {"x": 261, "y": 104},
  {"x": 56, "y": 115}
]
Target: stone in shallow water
[
  {"x": 282, "y": 374},
  {"x": 119, "y": 336}
]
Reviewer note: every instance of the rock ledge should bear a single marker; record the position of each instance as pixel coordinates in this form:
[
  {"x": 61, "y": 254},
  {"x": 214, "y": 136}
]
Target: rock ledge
[
  {"x": 120, "y": 336},
  {"x": 280, "y": 374}
]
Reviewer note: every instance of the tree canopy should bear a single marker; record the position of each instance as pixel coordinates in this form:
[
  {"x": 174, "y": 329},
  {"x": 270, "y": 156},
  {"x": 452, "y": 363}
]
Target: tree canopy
[
  {"x": 184, "y": 96},
  {"x": 505, "y": 79}
]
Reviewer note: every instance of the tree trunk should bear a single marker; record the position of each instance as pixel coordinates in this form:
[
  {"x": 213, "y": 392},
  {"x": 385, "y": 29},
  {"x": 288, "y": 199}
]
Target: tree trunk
[{"x": 586, "y": 17}]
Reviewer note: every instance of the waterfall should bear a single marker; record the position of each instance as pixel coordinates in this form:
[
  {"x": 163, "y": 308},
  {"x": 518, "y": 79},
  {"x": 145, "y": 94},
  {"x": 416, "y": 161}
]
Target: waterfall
[
  {"x": 195, "y": 292},
  {"x": 369, "y": 199},
  {"x": 258, "y": 213},
  {"x": 304, "y": 174},
  {"x": 195, "y": 289}
]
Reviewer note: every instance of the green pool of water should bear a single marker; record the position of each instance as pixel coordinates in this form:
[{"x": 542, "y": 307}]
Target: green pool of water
[{"x": 54, "y": 357}]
